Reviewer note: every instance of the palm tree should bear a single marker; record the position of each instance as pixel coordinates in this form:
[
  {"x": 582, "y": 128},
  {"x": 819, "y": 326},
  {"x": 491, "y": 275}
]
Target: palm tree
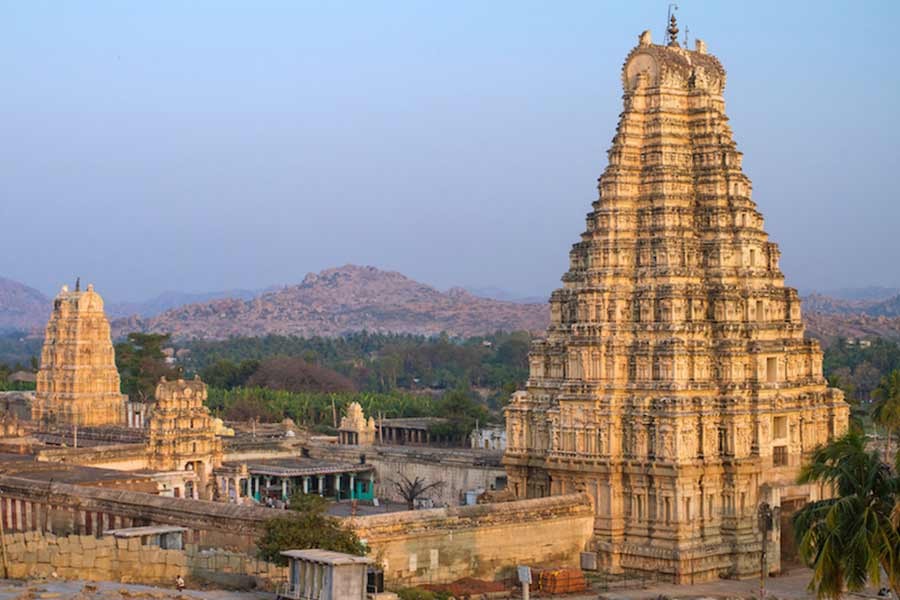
[
  {"x": 849, "y": 539},
  {"x": 886, "y": 411}
]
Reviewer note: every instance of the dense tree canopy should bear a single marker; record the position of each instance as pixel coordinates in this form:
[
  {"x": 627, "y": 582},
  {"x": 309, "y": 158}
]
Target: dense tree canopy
[{"x": 141, "y": 364}]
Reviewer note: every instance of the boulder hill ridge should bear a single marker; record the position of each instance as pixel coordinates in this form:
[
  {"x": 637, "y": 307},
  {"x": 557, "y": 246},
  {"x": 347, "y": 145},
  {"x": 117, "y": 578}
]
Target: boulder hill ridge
[{"x": 343, "y": 300}]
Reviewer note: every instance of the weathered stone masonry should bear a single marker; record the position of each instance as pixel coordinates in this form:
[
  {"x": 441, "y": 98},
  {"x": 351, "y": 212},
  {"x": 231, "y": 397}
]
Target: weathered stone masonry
[
  {"x": 437, "y": 545},
  {"x": 675, "y": 385}
]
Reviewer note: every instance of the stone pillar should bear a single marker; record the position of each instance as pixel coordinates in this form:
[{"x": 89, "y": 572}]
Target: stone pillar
[
  {"x": 352, "y": 485},
  {"x": 306, "y": 485},
  {"x": 283, "y": 488},
  {"x": 337, "y": 486},
  {"x": 321, "y": 485}
]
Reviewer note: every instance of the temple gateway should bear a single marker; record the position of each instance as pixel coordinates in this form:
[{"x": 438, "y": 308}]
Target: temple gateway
[{"x": 674, "y": 385}]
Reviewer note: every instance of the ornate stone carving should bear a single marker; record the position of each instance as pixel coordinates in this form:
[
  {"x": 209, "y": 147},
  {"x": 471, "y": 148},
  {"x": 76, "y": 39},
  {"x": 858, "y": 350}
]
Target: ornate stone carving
[
  {"x": 182, "y": 434},
  {"x": 700, "y": 340},
  {"x": 78, "y": 382}
]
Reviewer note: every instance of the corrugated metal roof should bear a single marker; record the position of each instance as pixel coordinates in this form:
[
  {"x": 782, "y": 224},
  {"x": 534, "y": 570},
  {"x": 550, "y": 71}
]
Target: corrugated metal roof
[{"x": 327, "y": 557}]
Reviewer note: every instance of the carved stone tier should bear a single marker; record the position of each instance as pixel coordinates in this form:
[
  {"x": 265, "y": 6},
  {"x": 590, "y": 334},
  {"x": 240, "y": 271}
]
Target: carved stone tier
[
  {"x": 182, "y": 434},
  {"x": 674, "y": 385}
]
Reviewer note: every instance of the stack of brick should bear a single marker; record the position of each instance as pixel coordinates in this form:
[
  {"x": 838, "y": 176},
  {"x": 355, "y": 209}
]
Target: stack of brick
[{"x": 561, "y": 581}]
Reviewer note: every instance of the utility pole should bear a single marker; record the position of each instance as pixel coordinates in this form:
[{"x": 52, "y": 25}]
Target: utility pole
[{"x": 3, "y": 541}]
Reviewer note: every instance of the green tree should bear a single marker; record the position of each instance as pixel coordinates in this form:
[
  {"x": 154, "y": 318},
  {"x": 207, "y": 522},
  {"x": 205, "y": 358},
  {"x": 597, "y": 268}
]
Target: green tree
[
  {"x": 227, "y": 375},
  {"x": 886, "y": 411},
  {"x": 308, "y": 528},
  {"x": 141, "y": 364},
  {"x": 849, "y": 539}
]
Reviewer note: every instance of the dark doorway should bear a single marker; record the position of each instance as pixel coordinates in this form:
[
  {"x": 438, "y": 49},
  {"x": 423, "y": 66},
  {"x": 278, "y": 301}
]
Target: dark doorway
[{"x": 790, "y": 558}]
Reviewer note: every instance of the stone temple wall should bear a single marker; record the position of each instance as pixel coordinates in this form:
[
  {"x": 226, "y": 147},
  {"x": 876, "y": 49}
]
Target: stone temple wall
[
  {"x": 486, "y": 541},
  {"x": 438, "y": 545},
  {"x": 63, "y": 509},
  {"x": 86, "y": 557}
]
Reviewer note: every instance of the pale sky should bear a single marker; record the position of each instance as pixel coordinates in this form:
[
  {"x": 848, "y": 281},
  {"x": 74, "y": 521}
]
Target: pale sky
[{"x": 206, "y": 145}]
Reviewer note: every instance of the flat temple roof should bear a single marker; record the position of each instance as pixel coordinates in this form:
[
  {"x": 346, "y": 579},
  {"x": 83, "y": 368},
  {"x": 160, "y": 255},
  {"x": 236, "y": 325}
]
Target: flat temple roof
[
  {"x": 411, "y": 422},
  {"x": 327, "y": 557},
  {"x": 300, "y": 466}
]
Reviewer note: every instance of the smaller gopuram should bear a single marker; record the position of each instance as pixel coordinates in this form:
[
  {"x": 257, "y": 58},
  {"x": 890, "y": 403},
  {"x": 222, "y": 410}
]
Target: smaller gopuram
[
  {"x": 182, "y": 434},
  {"x": 355, "y": 430},
  {"x": 78, "y": 383}
]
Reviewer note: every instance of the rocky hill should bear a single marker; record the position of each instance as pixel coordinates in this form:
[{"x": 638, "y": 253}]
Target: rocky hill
[
  {"x": 343, "y": 300},
  {"x": 829, "y": 305},
  {"x": 170, "y": 300},
  {"x": 22, "y": 308}
]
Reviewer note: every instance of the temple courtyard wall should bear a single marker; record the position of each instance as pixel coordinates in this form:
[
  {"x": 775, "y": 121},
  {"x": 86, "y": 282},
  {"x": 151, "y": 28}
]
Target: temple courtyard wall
[
  {"x": 486, "y": 541},
  {"x": 438, "y": 545},
  {"x": 36, "y": 554}
]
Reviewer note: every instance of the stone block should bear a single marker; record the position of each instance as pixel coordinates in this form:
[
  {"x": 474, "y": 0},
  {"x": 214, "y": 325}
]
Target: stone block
[
  {"x": 41, "y": 570},
  {"x": 18, "y": 570},
  {"x": 16, "y": 548},
  {"x": 76, "y": 560},
  {"x": 42, "y": 556},
  {"x": 88, "y": 541},
  {"x": 134, "y": 544}
]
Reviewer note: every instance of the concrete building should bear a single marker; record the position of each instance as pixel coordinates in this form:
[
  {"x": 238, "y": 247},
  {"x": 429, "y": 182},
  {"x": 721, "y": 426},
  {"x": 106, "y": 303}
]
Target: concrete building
[{"x": 325, "y": 575}]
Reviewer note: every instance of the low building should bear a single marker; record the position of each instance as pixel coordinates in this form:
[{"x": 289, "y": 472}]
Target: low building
[
  {"x": 325, "y": 575},
  {"x": 280, "y": 478},
  {"x": 418, "y": 431},
  {"x": 164, "y": 537},
  {"x": 489, "y": 438},
  {"x": 22, "y": 377}
]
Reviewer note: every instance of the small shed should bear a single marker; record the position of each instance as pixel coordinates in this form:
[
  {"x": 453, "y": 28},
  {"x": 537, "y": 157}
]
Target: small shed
[
  {"x": 164, "y": 537},
  {"x": 325, "y": 575}
]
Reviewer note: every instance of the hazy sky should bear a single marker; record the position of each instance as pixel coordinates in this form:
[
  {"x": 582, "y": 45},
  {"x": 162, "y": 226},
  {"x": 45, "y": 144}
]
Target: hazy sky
[{"x": 200, "y": 146}]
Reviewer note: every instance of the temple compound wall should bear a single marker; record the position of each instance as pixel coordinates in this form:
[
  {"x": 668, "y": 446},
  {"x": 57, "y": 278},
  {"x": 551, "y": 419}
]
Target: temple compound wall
[
  {"x": 36, "y": 554},
  {"x": 78, "y": 382},
  {"x": 486, "y": 541},
  {"x": 438, "y": 545},
  {"x": 675, "y": 385}
]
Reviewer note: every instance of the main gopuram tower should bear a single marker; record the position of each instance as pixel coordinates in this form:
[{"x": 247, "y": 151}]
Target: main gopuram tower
[{"x": 674, "y": 385}]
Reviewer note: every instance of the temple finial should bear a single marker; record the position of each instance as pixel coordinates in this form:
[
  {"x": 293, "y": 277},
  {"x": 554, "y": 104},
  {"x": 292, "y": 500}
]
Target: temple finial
[
  {"x": 78, "y": 284},
  {"x": 673, "y": 31}
]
